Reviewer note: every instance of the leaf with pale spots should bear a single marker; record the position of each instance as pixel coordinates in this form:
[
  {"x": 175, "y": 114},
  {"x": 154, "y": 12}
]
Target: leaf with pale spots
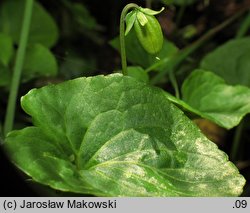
[{"x": 115, "y": 136}]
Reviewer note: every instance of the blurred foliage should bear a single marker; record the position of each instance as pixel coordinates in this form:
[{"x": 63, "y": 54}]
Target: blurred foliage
[
  {"x": 43, "y": 28},
  {"x": 235, "y": 55}
]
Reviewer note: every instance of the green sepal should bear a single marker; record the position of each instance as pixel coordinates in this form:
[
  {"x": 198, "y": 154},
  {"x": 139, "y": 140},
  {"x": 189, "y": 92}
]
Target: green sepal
[
  {"x": 150, "y": 12},
  {"x": 130, "y": 20}
]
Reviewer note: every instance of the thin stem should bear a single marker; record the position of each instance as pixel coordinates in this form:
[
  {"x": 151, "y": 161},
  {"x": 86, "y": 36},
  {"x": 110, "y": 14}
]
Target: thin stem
[
  {"x": 244, "y": 27},
  {"x": 122, "y": 35},
  {"x": 10, "y": 114},
  {"x": 236, "y": 141},
  {"x": 183, "y": 54},
  {"x": 174, "y": 83}
]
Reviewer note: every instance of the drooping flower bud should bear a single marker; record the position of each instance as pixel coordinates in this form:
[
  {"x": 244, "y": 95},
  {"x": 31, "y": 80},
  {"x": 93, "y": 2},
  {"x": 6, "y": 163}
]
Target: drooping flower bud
[{"x": 147, "y": 28}]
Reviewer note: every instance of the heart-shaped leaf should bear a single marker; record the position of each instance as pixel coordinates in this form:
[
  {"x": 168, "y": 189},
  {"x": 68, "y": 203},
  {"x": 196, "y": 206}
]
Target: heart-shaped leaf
[
  {"x": 115, "y": 136},
  {"x": 207, "y": 95}
]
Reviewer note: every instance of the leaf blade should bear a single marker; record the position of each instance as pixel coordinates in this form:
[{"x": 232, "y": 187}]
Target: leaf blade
[
  {"x": 121, "y": 136},
  {"x": 235, "y": 57}
]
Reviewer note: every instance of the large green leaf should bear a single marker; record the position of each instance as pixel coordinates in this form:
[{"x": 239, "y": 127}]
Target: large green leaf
[
  {"x": 231, "y": 61},
  {"x": 115, "y": 136},
  {"x": 6, "y": 49},
  {"x": 43, "y": 28},
  {"x": 207, "y": 95},
  {"x": 138, "y": 56}
]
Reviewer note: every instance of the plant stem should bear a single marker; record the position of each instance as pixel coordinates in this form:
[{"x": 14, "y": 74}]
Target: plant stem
[
  {"x": 244, "y": 27},
  {"x": 122, "y": 35},
  {"x": 174, "y": 83},
  {"x": 183, "y": 54},
  {"x": 10, "y": 114},
  {"x": 236, "y": 141}
]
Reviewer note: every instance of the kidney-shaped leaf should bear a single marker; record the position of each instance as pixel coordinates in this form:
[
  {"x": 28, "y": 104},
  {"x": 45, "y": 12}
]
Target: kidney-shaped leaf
[
  {"x": 207, "y": 95},
  {"x": 115, "y": 136},
  {"x": 231, "y": 61}
]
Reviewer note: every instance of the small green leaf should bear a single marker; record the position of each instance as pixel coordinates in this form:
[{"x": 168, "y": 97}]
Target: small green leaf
[
  {"x": 150, "y": 12},
  {"x": 150, "y": 35},
  {"x": 43, "y": 28},
  {"x": 39, "y": 62},
  {"x": 189, "y": 31},
  {"x": 115, "y": 136},
  {"x": 231, "y": 61},
  {"x": 210, "y": 97},
  {"x": 130, "y": 20},
  {"x": 138, "y": 73},
  {"x": 6, "y": 49}
]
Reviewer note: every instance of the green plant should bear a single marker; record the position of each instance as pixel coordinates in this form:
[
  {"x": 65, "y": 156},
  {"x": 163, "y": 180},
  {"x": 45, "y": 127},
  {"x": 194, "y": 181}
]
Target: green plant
[
  {"x": 117, "y": 136},
  {"x": 147, "y": 29}
]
